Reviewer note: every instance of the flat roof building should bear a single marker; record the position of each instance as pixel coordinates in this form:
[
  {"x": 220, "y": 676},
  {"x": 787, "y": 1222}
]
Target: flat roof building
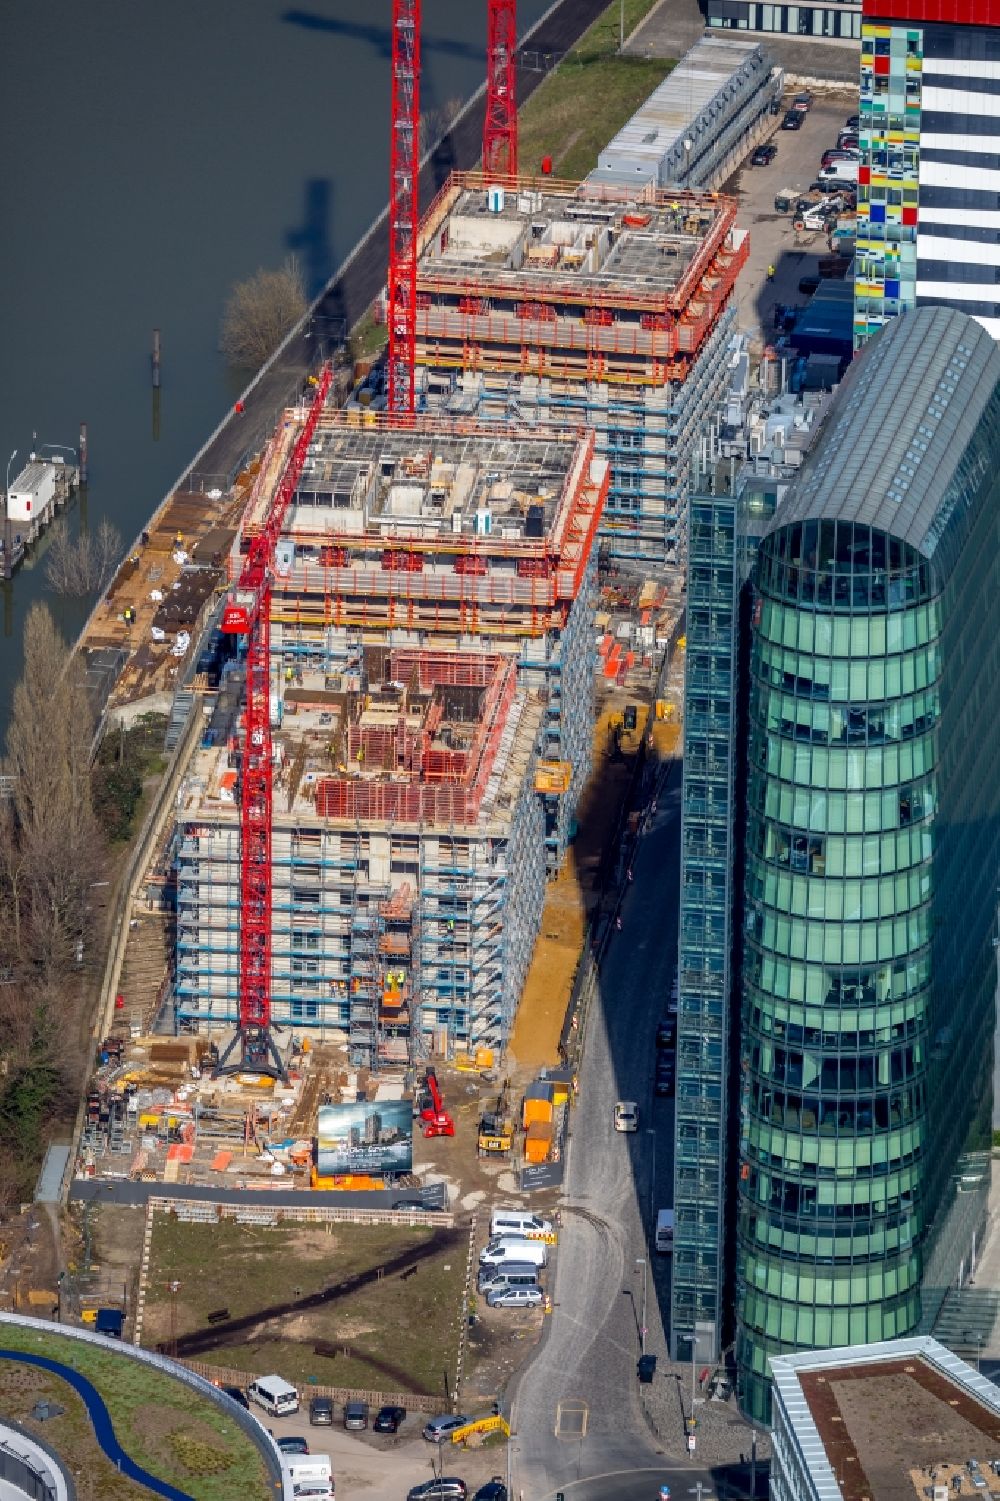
[
  {"x": 600, "y": 306},
  {"x": 900, "y": 1420},
  {"x": 698, "y": 124},
  {"x": 872, "y": 849}
]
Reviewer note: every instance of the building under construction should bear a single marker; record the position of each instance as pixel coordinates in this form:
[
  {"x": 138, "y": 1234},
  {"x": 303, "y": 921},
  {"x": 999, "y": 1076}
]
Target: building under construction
[
  {"x": 599, "y": 305},
  {"x": 438, "y": 537},
  {"x": 432, "y": 653},
  {"x": 408, "y": 863}
]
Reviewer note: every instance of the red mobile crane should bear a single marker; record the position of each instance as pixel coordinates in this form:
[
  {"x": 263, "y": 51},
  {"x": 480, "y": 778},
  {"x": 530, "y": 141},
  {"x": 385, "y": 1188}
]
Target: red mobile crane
[
  {"x": 248, "y": 613},
  {"x": 437, "y": 1121},
  {"x": 404, "y": 209},
  {"x": 500, "y": 124}
]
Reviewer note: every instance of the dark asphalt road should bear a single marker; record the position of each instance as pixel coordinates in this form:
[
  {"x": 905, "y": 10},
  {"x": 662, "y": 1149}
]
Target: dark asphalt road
[
  {"x": 356, "y": 283},
  {"x": 584, "y": 1372}
]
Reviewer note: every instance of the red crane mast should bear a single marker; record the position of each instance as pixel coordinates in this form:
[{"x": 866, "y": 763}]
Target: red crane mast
[
  {"x": 500, "y": 124},
  {"x": 248, "y": 613},
  {"x": 404, "y": 171}
]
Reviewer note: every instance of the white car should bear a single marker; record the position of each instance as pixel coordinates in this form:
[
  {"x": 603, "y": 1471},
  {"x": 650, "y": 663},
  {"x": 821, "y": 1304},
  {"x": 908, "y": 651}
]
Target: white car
[{"x": 626, "y": 1116}]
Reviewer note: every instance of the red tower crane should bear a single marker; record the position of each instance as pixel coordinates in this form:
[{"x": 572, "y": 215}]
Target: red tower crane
[
  {"x": 500, "y": 125},
  {"x": 401, "y": 310},
  {"x": 248, "y": 613}
]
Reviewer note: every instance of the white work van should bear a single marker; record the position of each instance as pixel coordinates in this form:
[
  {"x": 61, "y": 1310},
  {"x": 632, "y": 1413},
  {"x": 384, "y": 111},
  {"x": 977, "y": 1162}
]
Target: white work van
[
  {"x": 508, "y": 1249},
  {"x": 665, "y": 1231},
  {"x": 518, "y": 1222},
  {"x": 839, "y": 172},
  {"x": 274, "y": 1394}
]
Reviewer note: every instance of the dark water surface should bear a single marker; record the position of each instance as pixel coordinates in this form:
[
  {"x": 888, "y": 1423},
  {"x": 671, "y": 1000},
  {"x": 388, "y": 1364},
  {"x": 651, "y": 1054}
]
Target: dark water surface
[{"x": 152, "y": 155}]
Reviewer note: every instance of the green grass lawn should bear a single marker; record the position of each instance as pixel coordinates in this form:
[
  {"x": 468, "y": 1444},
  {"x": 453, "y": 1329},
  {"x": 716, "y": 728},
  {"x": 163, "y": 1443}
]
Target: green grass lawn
[
  {"x": 576, "y": 111},
  {"x": 160, "y": 1423},
  {"x": 302, "y": 1302}
]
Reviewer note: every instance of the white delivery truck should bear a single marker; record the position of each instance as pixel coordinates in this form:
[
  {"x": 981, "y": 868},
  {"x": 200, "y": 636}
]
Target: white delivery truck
[
  {"x": 665, "y": 1231},
  {"x": 311, "y": 1476}
]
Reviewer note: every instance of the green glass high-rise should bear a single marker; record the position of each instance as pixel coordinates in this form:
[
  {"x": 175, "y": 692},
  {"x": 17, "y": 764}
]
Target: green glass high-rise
[{"x": 872, "y": 857}]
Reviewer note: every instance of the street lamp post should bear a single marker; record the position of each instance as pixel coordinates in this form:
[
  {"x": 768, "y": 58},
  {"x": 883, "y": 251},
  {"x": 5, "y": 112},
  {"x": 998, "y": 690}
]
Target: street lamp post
[
  {"x": 621, "y": 26},
  {"x": 641, "y": 1261}
]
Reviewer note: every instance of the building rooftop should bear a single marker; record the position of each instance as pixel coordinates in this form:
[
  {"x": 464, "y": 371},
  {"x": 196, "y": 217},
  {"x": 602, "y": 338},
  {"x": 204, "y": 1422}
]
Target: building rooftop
[
  {"x": 905, "y": 433},
  {"x": 708, "y": 80},
  {"x": 578, "y": 243},
  {"x": 873, "y": 1421},
  {"x": 434, "y": 737},
  {"x": 428, "y": 479}
]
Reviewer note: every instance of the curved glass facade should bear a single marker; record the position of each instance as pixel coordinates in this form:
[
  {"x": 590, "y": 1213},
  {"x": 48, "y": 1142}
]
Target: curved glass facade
[{"x": 837, "y": 934}]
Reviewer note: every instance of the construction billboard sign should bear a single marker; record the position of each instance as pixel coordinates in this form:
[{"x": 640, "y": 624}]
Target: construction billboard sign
[{"x": 373, "y": 1137}]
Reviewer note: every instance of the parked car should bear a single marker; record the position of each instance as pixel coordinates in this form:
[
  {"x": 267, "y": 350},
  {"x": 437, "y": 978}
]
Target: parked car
[
  {"x": 803, "y": 100},
  {"x": 764, "y": 155},
  {"x": 294, "y": 1444},
  {"x": 436, "y": 1430},
  {"x": 238, "y": 1395},
  {"x": 626, "y": 1116},
  {"x": 664, "y": 1081},
  {"x": 793, "y": 120},
  {"x": 853, "y": 122},
  {"x": 447, "y": 1488},
  {"x": 515, "y": 1297},
  {"x": 849, "y": 139},
  {"x": 493, "y": 1490},
  {"x": 321, "y": 1412},
  {"x": 666, "y": 1033},
  {"x": 388, "y": 1419},
  {"x": 646, "y": 1368},
  {"x": 355, "y": 1415},
  {"x": 836, "y": 154}
]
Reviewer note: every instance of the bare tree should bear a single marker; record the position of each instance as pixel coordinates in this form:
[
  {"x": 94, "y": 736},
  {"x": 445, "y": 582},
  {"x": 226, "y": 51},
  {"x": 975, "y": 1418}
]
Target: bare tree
[
  {"x": 437, "y": 120},
  {"x": 57, "y": 842},
  {"x": 84, "y": 564},
  {"x": 260, "y": 312}
]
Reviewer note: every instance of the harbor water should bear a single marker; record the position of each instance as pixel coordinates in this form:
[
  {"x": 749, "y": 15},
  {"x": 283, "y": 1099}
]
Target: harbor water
[{"x": 156, "y": 155}]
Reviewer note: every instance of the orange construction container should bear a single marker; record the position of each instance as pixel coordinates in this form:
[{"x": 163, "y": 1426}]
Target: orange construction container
[
  {"x": 538, "y": 1141},
  {"x": 538, "y": 1103}
]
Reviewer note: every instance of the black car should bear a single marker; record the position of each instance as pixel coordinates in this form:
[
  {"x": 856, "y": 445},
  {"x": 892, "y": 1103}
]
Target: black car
[
  {"x": 321, "y": 1412},
  {"x": 493, "y": 1490},
  {"x": 292, "y": 1445},
  {"x": 793, "y": 120},
  {"x": 238, "y": 1395},
  {"x": 664, "y": 1082},
  {"x": 853, "y": 122},
  {"x": 764, "y": 155},
  {"x": 388, "y": 1419},
  {"x": 646, "y": 1368}
]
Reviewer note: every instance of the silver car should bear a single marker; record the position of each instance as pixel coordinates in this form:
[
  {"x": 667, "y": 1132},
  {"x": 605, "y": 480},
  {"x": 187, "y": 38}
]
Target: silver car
[{"x": 515, "y": 1297}]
